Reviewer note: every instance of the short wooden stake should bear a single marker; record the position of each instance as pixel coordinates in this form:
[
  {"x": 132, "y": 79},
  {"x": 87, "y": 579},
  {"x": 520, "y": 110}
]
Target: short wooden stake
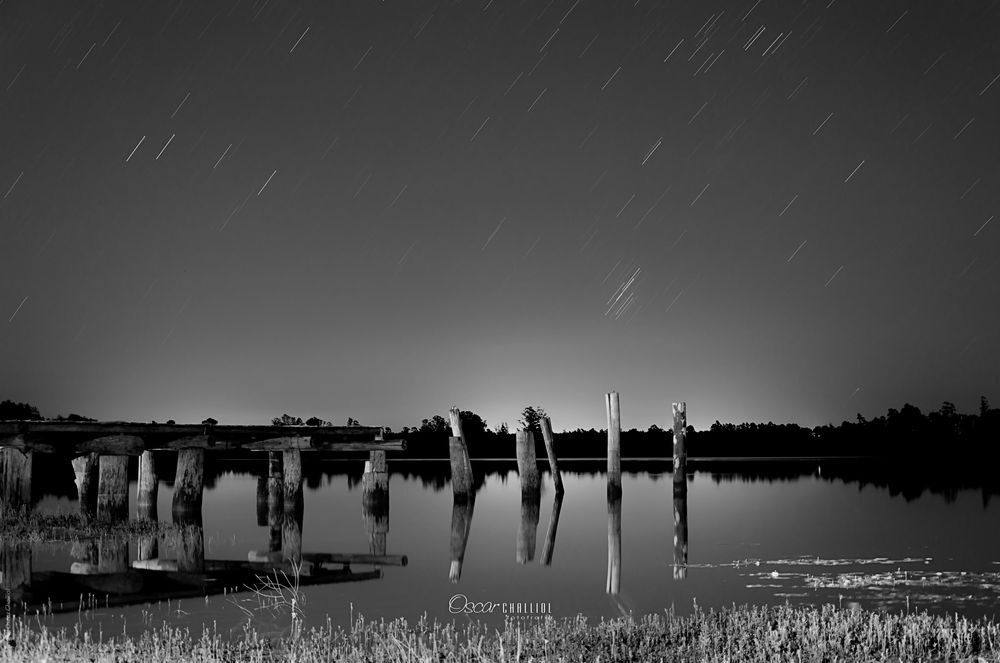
[
  {"x": 189, "y": 482},
  {"x": 527, "y": 464},
  {"x": 112, "y": 488},
  {"x": 614, "y": 444},
  {"x": 461, "y": 466},
  {"x": 531, "y": 501},
  {"x": 461, "y": 524},
  {"x": 614, "y": 545},
  {"x": 550, "y": 536},
  {"x": 680, "y": 530},
  {"x": 15, "y": 478},
  {"x": 550, "y": 450},
  {"x": 680, "y": 442},
  {"x": 85, "y": 468},
  {"x": 148, "y": 486}
]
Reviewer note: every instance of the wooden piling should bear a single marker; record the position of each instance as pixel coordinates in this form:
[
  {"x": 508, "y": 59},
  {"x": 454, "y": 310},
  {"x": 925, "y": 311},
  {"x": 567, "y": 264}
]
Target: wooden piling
[
  {"x": 680, "y": 530},
  {"x": 680, "y": 442},
  {"x": 275, "y": 499},
  {"x": 550, "y": 450},
  {"x": 15, "y": 478},
  {"x": 189, "y": 482},
  {"x": 550, "y": 535},
  {"x": 531, "y": 501},
  {"x": 112, "y": 488},
  {"x": 461, "y": 466},
  {"x": 461, "y": 524},
  {"x": 614, "y": 545},
  {"x": 291, "y": 460},
  {"x": 375, "y": 514},
  {"x": 375, "y": 480},
  {"x": 148, "y": 485},
  {"x": 262, "y": 501},
  {"x": 85, "y": 469},
  {"x": 527, "y": 464},
  {"x": 614, "y": 444}
]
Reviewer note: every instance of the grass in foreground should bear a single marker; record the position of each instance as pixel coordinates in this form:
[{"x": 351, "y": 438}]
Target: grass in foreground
[{"x": 736, "y": 634}]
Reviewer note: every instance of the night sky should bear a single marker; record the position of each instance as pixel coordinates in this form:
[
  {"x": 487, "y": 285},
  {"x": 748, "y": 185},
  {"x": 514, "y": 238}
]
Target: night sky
[{"x": 770, "y": 210}]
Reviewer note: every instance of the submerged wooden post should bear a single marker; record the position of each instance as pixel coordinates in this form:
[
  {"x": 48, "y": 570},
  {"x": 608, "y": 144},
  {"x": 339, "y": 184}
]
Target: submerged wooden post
[
  {"x": 291, "y": 460},
  {"x": 461, "y": 524},
  {"x": 148, "y": 486},
  {"x": 189, "y": 482},
  {"x": 461, "y": 466},
  {"x": 680, "y": 445},
  {"x": 550, "y": 536},
  {"x": 550, "y": 450},
  {"x": 614, "y": 544},
  {"x": 15, "y": 478},
  {"x": 614, "y": 444},
  {"x": 531, "y": 501},
  {"x": 291, "y": 538},
  {"x": 680, "y": 530},
  {"x": 85, "y": 468},
  {"x": 112, "y": 488},
  {"x": 275, "y": 499},
  {"x": 527, "y": 464}
]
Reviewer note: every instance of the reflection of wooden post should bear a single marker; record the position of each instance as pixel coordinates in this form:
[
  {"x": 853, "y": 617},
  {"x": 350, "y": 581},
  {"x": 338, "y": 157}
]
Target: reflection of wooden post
[
  {"x": 189, "y": 482},
  {"x": 112, "y": 555},
  {"x": 112, "y": 488},
  {"x": 85, "y": 468},
  {"x": 680, "y": 446},
  {"x": 262, "y": 501},
  {"x": 375, "y": 514},
  {"x": 15, "y": 478},
  {"x": 550, "y": 536},
  {"x": 614, "y": 444},
  {"x": 275, "y": 499},
  {"x": 614, "y": 545},
  {"x": 550, "y": 450},
  {"x": 15, "y": 566},
  {"x": 148, "y": 484},
  {"x": 526, "y": 533},
  {"x": 461, "y": 466},
  {"x": 291, "y": 460},
  {"x": 375, "y": 501},
  {"x": 375, "y": 480},
  {"x": 86, "y": 555},
  {"x": 527, "y": 464},
  {"x": 461, "y": 523},
  {"x": 291, "y": 538},
  {"x": 190, "y": 541},
  {"x": 680, "y": 530}
]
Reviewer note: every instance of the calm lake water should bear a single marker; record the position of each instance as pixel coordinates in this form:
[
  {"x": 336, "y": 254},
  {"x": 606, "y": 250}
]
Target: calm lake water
[{"x": 760, "y": 536}]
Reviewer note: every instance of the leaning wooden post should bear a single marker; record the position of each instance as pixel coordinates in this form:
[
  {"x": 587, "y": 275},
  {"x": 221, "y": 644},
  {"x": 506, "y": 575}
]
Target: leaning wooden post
[
  {"x": 112, "y": 488},
  {"x": 148, "y": 486},
  {"x": 189, "y": 482},
  {"x": 527, "y": 464},
  {"x": 614, "y": 444},
  {"x": 461, "y": 466},
  {"x": 680, "y": 446},
  {"x": 550, "y": 450},
  {"x": 461, "y": 524},
  {"x": 614, "y": 544},
  {"x": 680, "y": 530},
  {"x": 550, "y": 536},
  {"x": 85, "y": 468},
  {"x": 15, "y": 475}
]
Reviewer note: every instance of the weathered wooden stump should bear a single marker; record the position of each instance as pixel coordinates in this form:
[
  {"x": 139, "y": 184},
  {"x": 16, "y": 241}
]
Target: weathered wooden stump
[
  {"x": 531, "y": 501},
  {"x": 112, "y": 488},
  {"x": 680, "y": 530},
  {"x": 550, "y": 450},
  {"x": 461, "y": 466},
  {"x": 149, "y": 484},
  {"x": 614, "y": 545},
  {"x": 461, "y": 524},
  {"x": 291, "y": 460},
  {"x": 85, "y": 468},
  {"x": 189, "y": 482},
  {"x": 680, "y": 442},
  {"x": 550, "y": 535},
  {"x": 15, "y": 478},
  {"x": 614, "y": 444},
  {"x": 527, "y": 464}
]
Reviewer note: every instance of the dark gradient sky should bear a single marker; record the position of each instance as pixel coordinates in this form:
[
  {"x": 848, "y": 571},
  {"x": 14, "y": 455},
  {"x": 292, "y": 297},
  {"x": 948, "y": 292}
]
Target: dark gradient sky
[{"x": 771, "y": 210}]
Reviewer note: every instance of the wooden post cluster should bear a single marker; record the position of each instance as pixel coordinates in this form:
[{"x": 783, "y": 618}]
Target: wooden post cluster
[
  {"x": 550, "y": 450},
  {"x": 461, "y": 466},
  {"x": 680, "y": 444},
  {"x": 614, "y": 444},
  {"x": 112, "y": 488},
  {"x": 15, "y": 478}
]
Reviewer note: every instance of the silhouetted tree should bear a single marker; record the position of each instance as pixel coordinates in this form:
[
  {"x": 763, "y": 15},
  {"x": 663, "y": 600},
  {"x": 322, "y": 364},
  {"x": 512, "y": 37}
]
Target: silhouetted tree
[
  {"x": 11, "y": 410},
  {"x": 435, "y": 424},
  {"x": 984, "y": 406},
  {"x": 530, "y": 416},
  {"x": 316, "y": 421},
  {"x": 210, "y": 422},
  {"x": 351, "y": 421},
  {"x": 286, "y": 420}
]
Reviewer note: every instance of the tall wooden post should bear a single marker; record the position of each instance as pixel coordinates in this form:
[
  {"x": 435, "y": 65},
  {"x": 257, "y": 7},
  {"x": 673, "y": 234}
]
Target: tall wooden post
[
  {"x": 15, "y": 478},
  {"x": 189, "y": 482},
  {"x": 461, "y": 524},
  {"x": 550, "y": 450},
  {"x": 112, "y": 488},
  {"x": 550, "y": 536},
  {"x": 527, "y": 464},
  {"x": 85, "y": 468},
  {"x": 461, "y": 466},
  {"x": 526, "y": 534},
  {"x": 680, "y": 530},
  {"x": 614, "y": 444},
  {"x": 291, "y": 460},
  {"x": 148, "y": 486},
  {"x": 680, "y": 442},
  {"x": 614, "y": 544}
]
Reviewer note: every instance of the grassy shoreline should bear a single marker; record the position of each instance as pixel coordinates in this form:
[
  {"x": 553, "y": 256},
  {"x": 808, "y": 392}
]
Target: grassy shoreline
[{"x": 783, "y": 633}]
